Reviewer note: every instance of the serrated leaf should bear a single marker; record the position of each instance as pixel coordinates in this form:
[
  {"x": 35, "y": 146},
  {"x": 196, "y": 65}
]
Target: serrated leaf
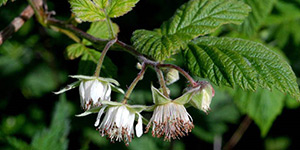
[
  {"x": 193, "y": 19},
  {"x": 86, "y": 10},
  {"x": 99, "y": 10},
  {"x": 263, "y": 106},
  {"x": 3, "y": 2},
  {"x": 260, "y": 10},
  {"x": 230, "y": 61},
  {"x": 18, "y": 143},
  {"x": 75, "y": 50},
  {"x": 100, "y": 29}
]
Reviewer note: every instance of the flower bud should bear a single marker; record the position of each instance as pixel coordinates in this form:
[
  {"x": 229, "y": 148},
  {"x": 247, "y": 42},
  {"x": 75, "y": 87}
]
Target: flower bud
[
  {"x": 202, "y": 97},
  {"x": 172, "y": 75}
]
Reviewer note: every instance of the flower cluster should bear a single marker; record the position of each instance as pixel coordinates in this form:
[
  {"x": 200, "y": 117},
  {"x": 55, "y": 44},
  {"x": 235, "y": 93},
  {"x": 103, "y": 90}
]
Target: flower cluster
[{"x": 169, "y": 120}]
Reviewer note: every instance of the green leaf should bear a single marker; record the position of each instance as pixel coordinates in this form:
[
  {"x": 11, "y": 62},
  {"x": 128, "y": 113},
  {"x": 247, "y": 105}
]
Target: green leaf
[
  {"x": 263, "y": 106},
  {"x": 75, "y": 50},
  {"x": 3, "y": 2},
  {"x": 100, "y": 29},
  {"x": 86, "y": 10},
  {"x": 260, "y": 10},
  {"x": 55, "y": 137},
  {"x": 231, "y": 61},
  {"x": 193, "y": 19},
  {"x": 18, "y": 144},
  {"x": 99, "y": 10}
]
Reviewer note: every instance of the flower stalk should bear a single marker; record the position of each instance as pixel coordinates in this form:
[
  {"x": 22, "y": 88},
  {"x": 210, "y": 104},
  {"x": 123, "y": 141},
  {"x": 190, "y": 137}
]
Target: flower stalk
[
  {"x": 135, "y": 81},
  {"x": 162, "y": 81},
  {"x": 101, "y": 59}
]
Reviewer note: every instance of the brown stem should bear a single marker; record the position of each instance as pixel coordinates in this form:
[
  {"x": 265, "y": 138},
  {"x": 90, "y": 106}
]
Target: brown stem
[
  {"x": 16, "y": 24},
  {"x": 238, "y": 133}
]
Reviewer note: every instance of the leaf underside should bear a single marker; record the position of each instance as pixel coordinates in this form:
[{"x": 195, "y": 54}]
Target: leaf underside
[
  {"x": 232, "y": 61},
  {"x": 193, "y": 19}
]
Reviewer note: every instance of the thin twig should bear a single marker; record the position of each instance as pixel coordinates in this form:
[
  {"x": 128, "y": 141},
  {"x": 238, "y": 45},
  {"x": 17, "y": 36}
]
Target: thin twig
[
  {"x": 16, "y": 24},
  {"x": 238, "y": 133},
  {"x": 134, "y": 82}
]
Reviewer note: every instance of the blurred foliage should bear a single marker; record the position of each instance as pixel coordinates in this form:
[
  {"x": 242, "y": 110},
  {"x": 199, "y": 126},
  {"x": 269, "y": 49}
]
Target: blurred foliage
[{"x": 33, "y": 64}]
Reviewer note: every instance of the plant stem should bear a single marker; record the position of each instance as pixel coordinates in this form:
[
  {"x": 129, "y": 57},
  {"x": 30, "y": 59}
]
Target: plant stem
[
  {"x": 110, "y": 27},
  {"x": 238, "y": 133},
  {"x": 106, "y": 48},
  {"x": 184, "y": 73},
  {"x": 134, "y": 82},
  {"x": 162, "y": 81}
]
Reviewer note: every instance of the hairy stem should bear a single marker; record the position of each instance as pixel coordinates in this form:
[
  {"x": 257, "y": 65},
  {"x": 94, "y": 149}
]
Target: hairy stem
[
  {"x": 106, "y": 48},
  {"x": 134, "y": 82},
  {"x": 162, "y": 81},
  {"x": 238, "y": 133}
]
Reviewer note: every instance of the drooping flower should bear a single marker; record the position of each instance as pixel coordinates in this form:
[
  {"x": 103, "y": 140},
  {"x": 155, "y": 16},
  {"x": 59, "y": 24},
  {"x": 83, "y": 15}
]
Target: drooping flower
[
  {"x": 170, "y": 118},
  {"x": 118, "y": 122},
  {"x": 202, "y": 96},
  {"x": 93, "y": 90}
]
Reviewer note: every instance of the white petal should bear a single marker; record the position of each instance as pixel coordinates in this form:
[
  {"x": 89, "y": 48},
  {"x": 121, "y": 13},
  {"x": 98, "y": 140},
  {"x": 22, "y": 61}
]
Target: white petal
[
  {"x": 139, "y": 127},
  {"x": 108, "y": 92},
  {"x": 99, "y": 116},
  {"x": 82, "y": 94},
  {"x": 96, "y": 91}
]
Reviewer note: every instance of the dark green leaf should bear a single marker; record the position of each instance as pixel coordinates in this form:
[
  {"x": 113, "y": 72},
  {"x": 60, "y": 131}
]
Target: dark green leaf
[
  {"x": 260, "y": 10},
  {"x": 263, "y": 106},
  {"x": 230, "y": 61},
  {"x": 55, "y": 137},
  {"x": 193, "y": 19},
  {"x": 18, "y": 144},
  {"x": 101, "y": 30}
]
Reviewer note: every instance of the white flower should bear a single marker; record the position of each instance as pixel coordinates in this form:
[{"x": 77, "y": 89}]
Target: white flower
[
  {"x": 92, "y": 92},
  {"x": 170, "y": 120},
  {"x": 118, "y": 122}
]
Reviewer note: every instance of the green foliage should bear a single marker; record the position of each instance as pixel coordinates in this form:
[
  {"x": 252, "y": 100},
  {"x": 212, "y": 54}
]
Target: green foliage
[
  {"x": 285, "y": 25},
  {"x": 231, "y": 61},
  {"x": 260, "y": 10},
  {"x": 263, "y": 106},
  {"x": 55, "y": 137},
  {"x": 3, "y": 2},
  {"x": 40, "y": 81},
  {"x": 18, "y": 144},
  {"x": 193, "y": 19},
  {"x": 101, "y": 30},
  {"x": 99, "y": 10},
  {"x": 278, "y": 143},
  {"x": 90, "y": 59}
]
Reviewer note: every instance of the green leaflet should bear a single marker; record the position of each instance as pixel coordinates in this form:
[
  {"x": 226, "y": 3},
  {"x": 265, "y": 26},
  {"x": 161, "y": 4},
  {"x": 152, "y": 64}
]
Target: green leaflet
[
  {"x": 263, "y": 106},
  {"x": 3, "y": 2},
  {"x": 230, "y": 61},
  {"x": 99, "y": 10},
  {"x": 55, "y": 137},
  {"x": 260, "y": 10},
  {"x": 101, "y": 30},
  {"x": 75, "y": 50},
  {"x": 193, "y": 19}
]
